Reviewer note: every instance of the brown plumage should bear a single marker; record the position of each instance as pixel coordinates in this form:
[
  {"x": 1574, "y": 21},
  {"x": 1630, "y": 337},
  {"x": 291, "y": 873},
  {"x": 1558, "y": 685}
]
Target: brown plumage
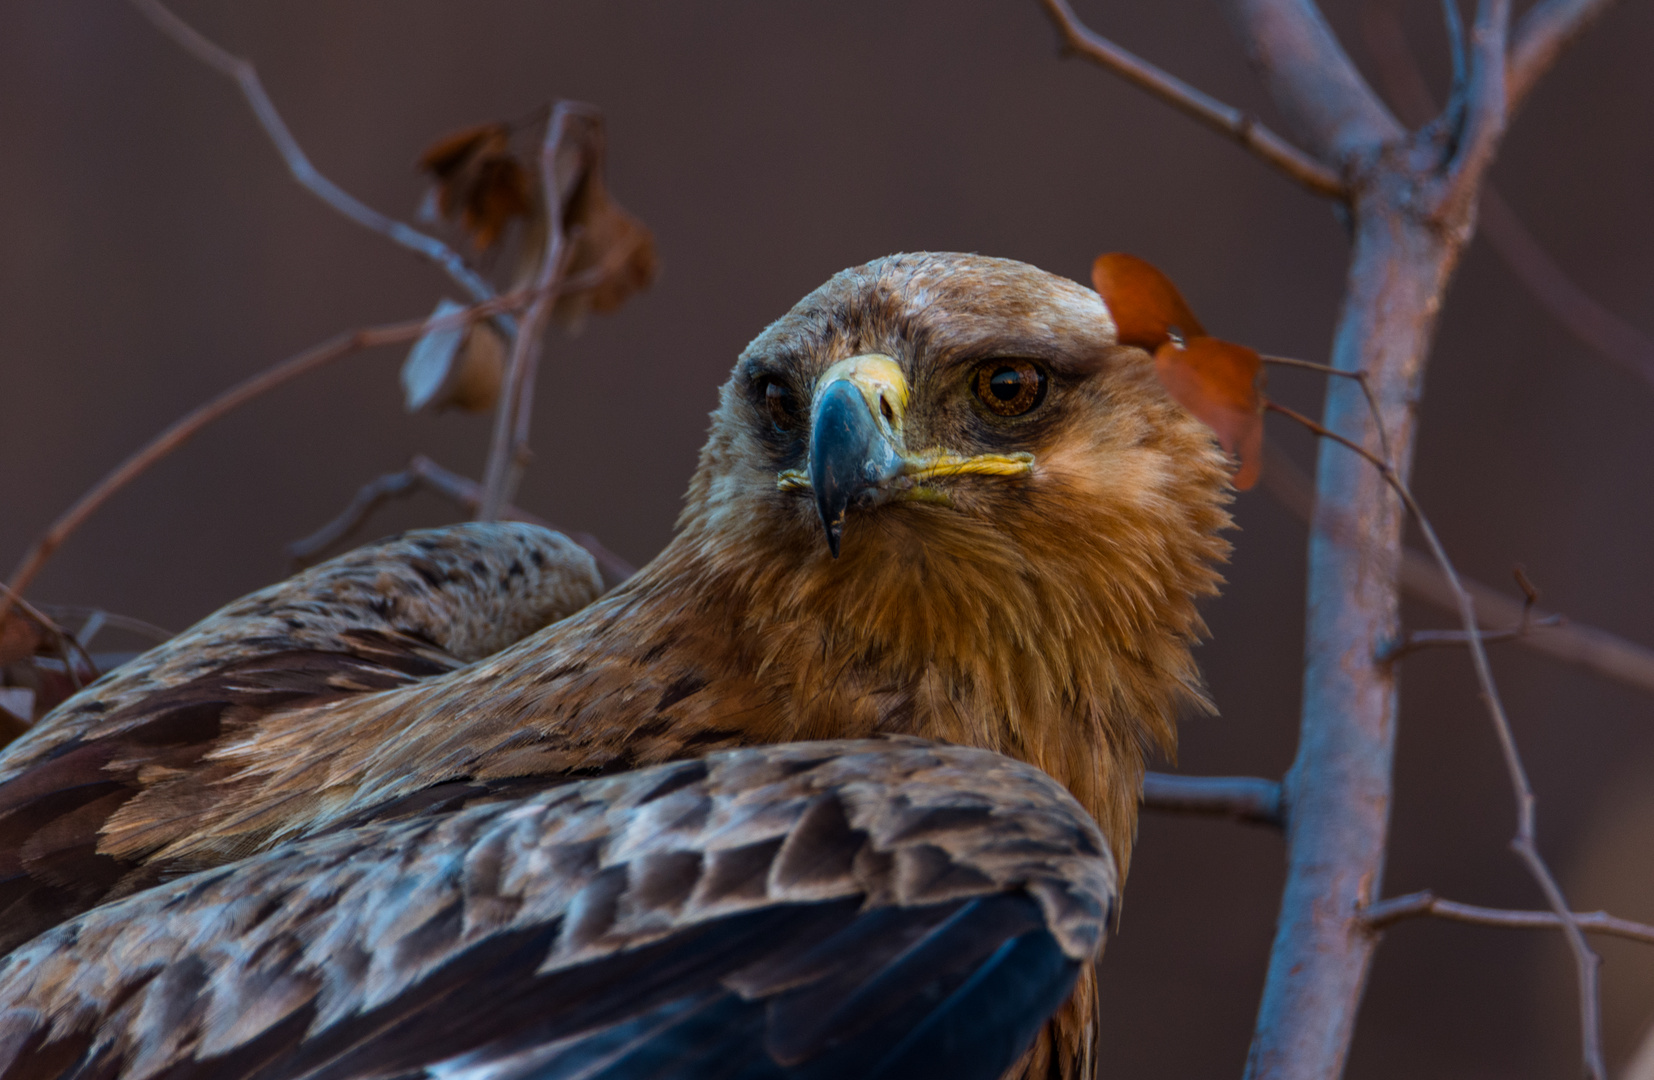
[
  {"x": 662, "y": 912},
  {"x": 1021, "y": 583},
  {"x": 383, "y": 616}
]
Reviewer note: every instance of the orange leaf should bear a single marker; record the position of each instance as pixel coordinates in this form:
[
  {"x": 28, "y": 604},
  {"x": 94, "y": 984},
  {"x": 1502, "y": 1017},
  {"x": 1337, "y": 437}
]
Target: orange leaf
[
  {"x": 1221, "y": 383},
  {"x": 19, "y": 637},
  {"x": 1147, "y": 308},
  {"x": 480, "y": 180}
]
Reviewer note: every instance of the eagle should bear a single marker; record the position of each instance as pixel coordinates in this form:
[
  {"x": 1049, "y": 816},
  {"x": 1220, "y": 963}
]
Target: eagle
[{"x": 843, "y": 782}]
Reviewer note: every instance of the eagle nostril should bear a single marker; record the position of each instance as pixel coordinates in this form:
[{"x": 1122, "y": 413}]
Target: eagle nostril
[{"x": 886, "y": 411}]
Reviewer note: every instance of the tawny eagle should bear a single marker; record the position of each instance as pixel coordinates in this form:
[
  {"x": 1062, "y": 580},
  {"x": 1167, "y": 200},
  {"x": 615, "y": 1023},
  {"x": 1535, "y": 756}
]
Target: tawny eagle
[{"x": 382, "y": 820}]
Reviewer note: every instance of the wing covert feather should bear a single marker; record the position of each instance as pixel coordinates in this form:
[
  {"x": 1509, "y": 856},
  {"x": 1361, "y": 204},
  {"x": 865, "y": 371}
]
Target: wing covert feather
[
  {"x": 777, "y": 911},
  {"x": 380, "y": 617}
]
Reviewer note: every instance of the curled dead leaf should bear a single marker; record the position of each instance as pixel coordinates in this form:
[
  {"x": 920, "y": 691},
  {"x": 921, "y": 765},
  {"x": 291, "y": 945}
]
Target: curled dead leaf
[
  {"x": 20, "y": 637},
  {"x": 613, "y": 258},
  {"x": 1147, "y": 308},
  {"x": 480, "y": 181},
  {"x": 611, "y": 254},
  {"x": 457, "y": 366},
  {"x": 1221, "y": 383}
]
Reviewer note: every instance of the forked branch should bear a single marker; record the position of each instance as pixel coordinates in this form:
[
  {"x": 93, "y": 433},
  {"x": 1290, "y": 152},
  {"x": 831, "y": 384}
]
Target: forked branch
[
  {"x": 1555, "y": 635},
  {"x": 1548, "y": 28},
  {"x": 298, "y": 163},
  {"x": 1242, "y": 127},
  {"x": 1524, "y": 843},
  {"x": 189, "y": 425},
  {"x": 1428, "y": 904},
  {"x": 570, "y": 132},
  {"x": 1589, "y": 321},
  {"x": 423, "y": 474}
]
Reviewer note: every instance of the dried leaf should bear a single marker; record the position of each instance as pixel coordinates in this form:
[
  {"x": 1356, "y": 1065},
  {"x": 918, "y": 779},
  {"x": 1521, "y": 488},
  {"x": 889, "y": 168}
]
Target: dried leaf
[
  {"x": 1221, "y": 383},
  {"x": 480, "y": 180},
  {"x": 613, "y": 252},
  {"x": 1147, "y": 308},
  {"x": 20, "y": 636},
  {"x": 455, "y": 366}
]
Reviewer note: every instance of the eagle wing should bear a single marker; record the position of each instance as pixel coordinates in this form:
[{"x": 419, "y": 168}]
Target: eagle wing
[
  {"x": 383, "y": 616},
  {"x": 876, "y": 908}
]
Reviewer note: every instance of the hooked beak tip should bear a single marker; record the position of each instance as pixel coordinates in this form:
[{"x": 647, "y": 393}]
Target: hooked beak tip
[{"x": 850, "y": 455}]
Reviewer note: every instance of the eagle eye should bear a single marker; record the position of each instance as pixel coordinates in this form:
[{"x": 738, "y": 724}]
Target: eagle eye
[
  {"x": 778, "y": 402},
  {"x": 1010, "y": 387}
]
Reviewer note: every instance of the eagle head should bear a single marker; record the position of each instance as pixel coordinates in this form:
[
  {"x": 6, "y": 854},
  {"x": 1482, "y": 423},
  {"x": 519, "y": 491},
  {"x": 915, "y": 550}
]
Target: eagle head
[{"x": 942, "y": 495}]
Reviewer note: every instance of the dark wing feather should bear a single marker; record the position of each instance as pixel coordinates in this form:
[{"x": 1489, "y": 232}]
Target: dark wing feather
[
  {"x": 886, "y": 908},
  {"x": 381, "y": 617}
]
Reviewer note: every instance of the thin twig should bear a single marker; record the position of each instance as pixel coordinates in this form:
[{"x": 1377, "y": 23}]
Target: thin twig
[
  {"x": 1421, "y": 904},
  {"x": 1359, "y": 376},
  {"x": 131, "y": 625},
  {"x": 1524, "y": 843},
  {"x": 1240, "y": 126},
  {"x": 298, "y": 163},
  {"x": 1458, "y": 94},
  {"x": 1559, "y": 637},
  {"x": 424, "y": 474},
  {"x": 1293, "y": 414},
  {"x": 1424, "y": 639},
  {"x": 1546, "y": 29},
  {"x": 1485, "y": 116},
  {"x": 1243, "y": 798},
  {"x": 1546, "y": 281},
  {"x": 187, "y": 426},
  {"x": 1454, "y": 21},
  {"x": 508, "y": 450},
  {"x": 62, "y": 640}
]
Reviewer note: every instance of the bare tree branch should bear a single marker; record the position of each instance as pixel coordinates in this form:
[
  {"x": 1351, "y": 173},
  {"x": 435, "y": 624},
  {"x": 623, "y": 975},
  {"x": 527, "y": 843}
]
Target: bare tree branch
[
  {"x": 1415, "y": 640},
  {"x": 62, "y": 640},
  {"x": 1242, "y": 127},
  {"x": 97, "y": 617},
  {"x": 1547, "y": 282},
  {"x": 1311, "y": 78},
  {"x": 188, "y": 426},
  {"x": 571, "y": 126},
  {"x": 1554, "y": 635},
  {"x": 1420, "y": 904},
  {"x": 1244, "y": 798},
  {"x": 1484, "y": 115},
  {"x": 1541, "y": 35},
  {"x": 424, "y": 474},
  {"x": 246, "y": 77},
  {"x": 1525, "y": 842}
]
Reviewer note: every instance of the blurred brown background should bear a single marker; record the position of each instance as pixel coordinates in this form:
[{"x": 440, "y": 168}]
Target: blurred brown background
[{"x": 153, "y": 251}]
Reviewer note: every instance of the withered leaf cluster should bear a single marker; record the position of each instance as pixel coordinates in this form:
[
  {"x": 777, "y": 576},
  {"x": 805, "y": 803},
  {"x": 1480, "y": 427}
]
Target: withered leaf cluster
[
  {"x": 480, "y": 182},
  {"x": 484, "y": 183}
]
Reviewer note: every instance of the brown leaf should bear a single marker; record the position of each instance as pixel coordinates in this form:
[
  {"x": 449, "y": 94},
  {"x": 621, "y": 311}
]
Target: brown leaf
[
  {"x": 611, "y": 253},
  {"x": 1147, "y": 308},
  {"x": 459, "y": 366},
  {"x": 480, "y": 180},
  {"x": 1221, "y": 383},
  {"x": 20, "y": 636}
]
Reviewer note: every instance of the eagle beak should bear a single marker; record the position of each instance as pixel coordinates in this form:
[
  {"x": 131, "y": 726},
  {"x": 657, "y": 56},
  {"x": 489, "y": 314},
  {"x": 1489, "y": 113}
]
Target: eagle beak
[{"x": 855, "y": 436}]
